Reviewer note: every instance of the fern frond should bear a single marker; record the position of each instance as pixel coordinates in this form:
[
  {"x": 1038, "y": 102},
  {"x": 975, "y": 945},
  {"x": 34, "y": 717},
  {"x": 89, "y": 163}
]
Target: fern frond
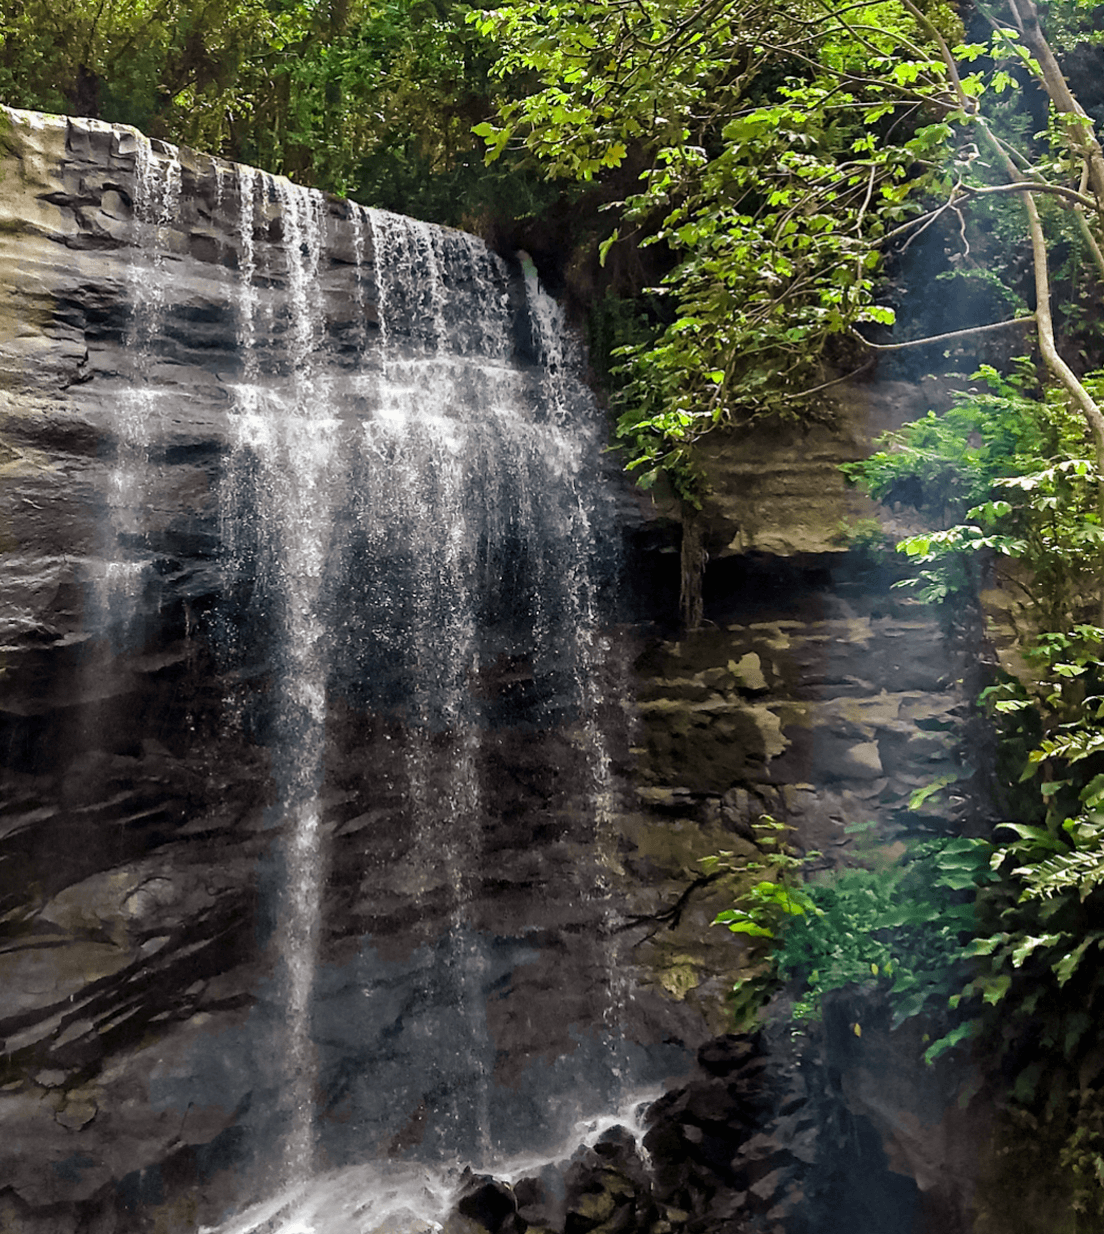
[{"x": 1079, "y": 869}]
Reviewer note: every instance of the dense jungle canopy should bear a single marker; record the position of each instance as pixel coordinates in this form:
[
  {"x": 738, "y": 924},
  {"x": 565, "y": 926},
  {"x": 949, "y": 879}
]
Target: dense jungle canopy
[{"x": 748, "y": 202}]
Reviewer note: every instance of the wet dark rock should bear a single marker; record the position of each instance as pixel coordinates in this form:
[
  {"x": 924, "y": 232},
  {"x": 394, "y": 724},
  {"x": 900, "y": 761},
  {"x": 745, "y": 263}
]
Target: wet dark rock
[
  {"x": 491, "y": 1204},
  {"x": 724, "y": 1055},
  {"x": 542, "y": 1199},
  {"x": 765, "y": 1140}
]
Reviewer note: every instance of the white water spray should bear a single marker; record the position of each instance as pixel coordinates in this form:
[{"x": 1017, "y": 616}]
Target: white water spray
[{"x": 382, "y": 1198}]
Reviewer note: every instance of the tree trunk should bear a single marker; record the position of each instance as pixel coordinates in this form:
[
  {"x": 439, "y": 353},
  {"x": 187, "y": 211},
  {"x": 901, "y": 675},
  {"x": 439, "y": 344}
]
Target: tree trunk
[
  {"x": 694, "y": 558},
  {"x": 1078, "y": 124}
]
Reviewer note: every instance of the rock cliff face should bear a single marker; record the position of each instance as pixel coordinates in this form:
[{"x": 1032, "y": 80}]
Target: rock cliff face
[
  {"x": 816, "y": 694},
  {"x": 287, "y": 489},
  {"x": 110, "y": 928},
  {"x": 510, "y": 924}
]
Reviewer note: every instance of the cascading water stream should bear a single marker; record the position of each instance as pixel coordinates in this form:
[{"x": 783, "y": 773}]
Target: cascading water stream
[
  {"x": 157, "y": 182},
  {"x": 379, "y": 1198},
  {"x": 553, "y": 347},
  {"x": 289, "y": 436},
  {"x": 430, "y": 456},
  {"x": 304, "y": 517}
]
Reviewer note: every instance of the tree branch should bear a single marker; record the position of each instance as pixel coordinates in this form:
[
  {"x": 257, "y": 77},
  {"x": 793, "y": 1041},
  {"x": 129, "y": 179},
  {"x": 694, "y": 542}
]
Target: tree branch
[
  {"x": 942, "y": 338},
  {"x": 1084, "y": 400},
  {"x": 672, "y": 915},
  {"x": 1078, "y": 125},
  {"x": 1031, "y": 186},
  {"x": 968, "y": 104},
  {"x": 836, "y": 381},
  {"x": 1086, "y": 230}
]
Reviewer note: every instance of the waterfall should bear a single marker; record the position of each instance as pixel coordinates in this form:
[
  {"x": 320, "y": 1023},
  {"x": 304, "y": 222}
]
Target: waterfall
[
  {"x": 351, "y": 844},
  {"x": 413, "y": 546}
]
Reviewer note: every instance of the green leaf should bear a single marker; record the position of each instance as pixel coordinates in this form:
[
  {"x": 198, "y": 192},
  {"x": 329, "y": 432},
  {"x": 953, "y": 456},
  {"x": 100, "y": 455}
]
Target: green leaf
[
  {"x": 1038, "y": 835},
  {"x": 1052, "y": 788},
  {"x": 963, "y": 1032},
  {"x": 750, "y": 927},
  {"x": 993, "y": 989},
  {"x": 606, "y": 245},
  {"x": 1067, "y": 965},
  {"x": 985, "y": 946},
  {"x": 1024, "y": 949},
  {"x": 920, "y": 795},
  {"x": 1093, "y": 793}
]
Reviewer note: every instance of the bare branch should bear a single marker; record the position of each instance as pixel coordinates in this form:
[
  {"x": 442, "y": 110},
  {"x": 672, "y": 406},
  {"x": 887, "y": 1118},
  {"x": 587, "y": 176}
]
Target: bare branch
[
  {"x": 1086, "y": 230},
  {"x": 866, "y": 199},
  {"x": 672, "y": 915},
  {"x": 1078, "y": 125},
  {"x": 1084, "y": 400},
  {"x": 836, "y": 381},
  {"x": 962, "y": 231},
  {"x": 943, "y": 338},
  {"x": 923, "y": 221},
  {"x": 1031, "y": 186}
]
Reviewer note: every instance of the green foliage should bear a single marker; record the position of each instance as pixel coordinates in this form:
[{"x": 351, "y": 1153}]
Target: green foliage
[
  {"x": 1014, "y": 468},
  {"x": 897, "y": 924},
  {"x": 1083, "y": 1154},
  {"x": 1049, "y": 519},
  {"x": 1017, "y": 469},
  {"x": 771, "y": 900},
  {"x": 765, "y": 182},
  {"x": 867, "y": 539},
  {"x": 614, "y": 322},
  {"x": 942, "y": 464},
  {"x": 996, "y": 942},
  {"x": 1036, "y": 981},
  {"x": 785, "y": 151},
  {"x": 373, "y": 97},
  {"x": 901, "y": 926},
  {"x": 765, "y": 185}
]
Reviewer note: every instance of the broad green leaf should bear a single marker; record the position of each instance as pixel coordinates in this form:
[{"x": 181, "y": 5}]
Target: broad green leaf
[{"x": 963, "y": 1032}]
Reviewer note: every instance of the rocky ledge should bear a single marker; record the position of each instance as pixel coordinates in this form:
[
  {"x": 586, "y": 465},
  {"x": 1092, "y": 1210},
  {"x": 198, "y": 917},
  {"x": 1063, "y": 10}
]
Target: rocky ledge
[{"x": 770, "y": 1135}]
